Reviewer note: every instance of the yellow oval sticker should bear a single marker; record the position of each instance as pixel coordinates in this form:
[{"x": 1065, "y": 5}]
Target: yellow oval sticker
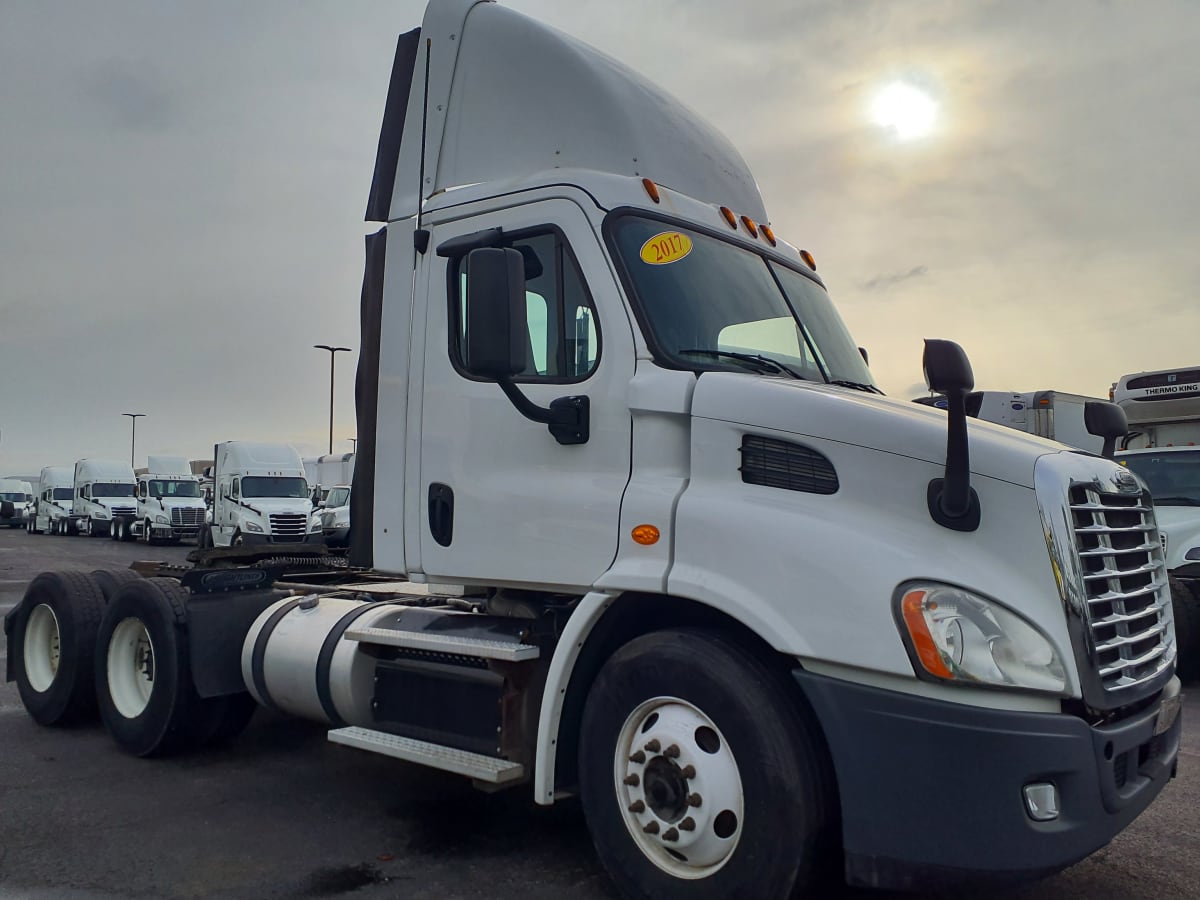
[{"x": 668, "y": 247}]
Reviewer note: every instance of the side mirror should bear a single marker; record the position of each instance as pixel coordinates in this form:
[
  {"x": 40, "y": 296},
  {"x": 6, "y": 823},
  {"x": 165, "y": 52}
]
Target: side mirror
[
  {"x": 862, "y": 351},
  {"x": 495, "y": 313},
  {"x": 952, "y": 501},
  {"x": 321, "y": 504},
  {"x": 1105, "y": 420}
]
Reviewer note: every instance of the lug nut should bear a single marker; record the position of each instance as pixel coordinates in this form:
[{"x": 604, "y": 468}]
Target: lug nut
[
  {"x": 638, "y": 758},
  {"x": 688, "y": 824},
  {"x": 688, "y": 771},
  {"x": 637, "y": 806},
  {"x": 693, "y": 800},
  {"x": 672, "y": 752},
  {"x": 670, "y": 835},
  {"x": 654, "y": 746},
  {"x": 651, "y": 828},
  {"x": 632, "y": 780}
]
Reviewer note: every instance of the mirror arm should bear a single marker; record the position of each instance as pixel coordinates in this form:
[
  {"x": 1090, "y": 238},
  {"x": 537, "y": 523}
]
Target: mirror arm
[
  {"x": 953, "y": 503},
  {"x": 567, "y": 417}
]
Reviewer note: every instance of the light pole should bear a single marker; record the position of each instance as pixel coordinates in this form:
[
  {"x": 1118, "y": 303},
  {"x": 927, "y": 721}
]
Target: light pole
[
  {"x": 133, "y": 417},
  {"x": 333, "y": 351}
]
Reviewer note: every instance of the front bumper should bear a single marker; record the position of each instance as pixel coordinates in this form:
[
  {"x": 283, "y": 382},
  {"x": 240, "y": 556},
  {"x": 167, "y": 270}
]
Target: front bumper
[
  {"x": 337, "y": 536},
  {"x": 251, "y": 539},
  {"x": 932, "y": 792}
]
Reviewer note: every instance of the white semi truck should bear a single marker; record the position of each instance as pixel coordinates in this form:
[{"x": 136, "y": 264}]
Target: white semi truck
[
  {"x": 1056, "y": 415},
  {"x": 169, "y": 504},
  {"x": 1163, "y": 448},
  {"x": 54, "y": 500},
  {"x": 260, "y": 497},
  {"x": 103, "y": 492},
  {"x": 15, "y": 496},
  {"x": 655, "y": 538}
]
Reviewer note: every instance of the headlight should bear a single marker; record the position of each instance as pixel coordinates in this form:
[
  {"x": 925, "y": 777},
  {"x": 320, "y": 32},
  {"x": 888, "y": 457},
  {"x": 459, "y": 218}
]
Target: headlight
[
  {"x": 314, "y": 525},
  {"x": 252, "y": 526},
  {"x": 162, "y": 520},
  {"x": 342, "y": 523},
  {"x": 956, "y": 636},
  {"x": 101, "y": 514},
  {"x": 1194, "y": 553}
]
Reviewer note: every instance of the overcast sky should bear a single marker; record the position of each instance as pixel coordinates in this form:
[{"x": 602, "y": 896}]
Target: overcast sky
[{"x": 182, "y": 189}]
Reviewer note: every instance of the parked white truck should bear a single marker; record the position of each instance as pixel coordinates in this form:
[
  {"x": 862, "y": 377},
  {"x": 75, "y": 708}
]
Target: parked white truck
[
  {"x": 103, "y": 491},
  {"x": 169, "y": 504},
  {"x": 655, "y": 537},
  {"x": 15, "y": 496},
  {"x": 54, "y": 500},
  {"x": 1056, "y": 415},
  {"x": 260, "y": 497},
  {"x": 334, "y": 514},
  {"x": 1163, "y": 448}
]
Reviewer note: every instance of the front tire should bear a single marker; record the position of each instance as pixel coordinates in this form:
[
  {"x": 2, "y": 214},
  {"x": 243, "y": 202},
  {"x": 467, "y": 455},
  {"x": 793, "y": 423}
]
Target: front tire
[
  {"x": 54, "y": 639},
  {"x": 1185, "y": 604},
  {"x": 700, "y": 775}
]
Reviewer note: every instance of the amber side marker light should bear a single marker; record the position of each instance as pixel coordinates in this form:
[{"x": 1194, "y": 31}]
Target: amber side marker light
[
  {"x": 729, "y": 216},
  {"x": 750, "y": 226},
  {"x": 768, "y": 234},
  {"x": 651, "y": 189},
  {"x": 645, "y": 534},
  {"x": 808, "y": 260},
  {"x": 911, "y": 609}
]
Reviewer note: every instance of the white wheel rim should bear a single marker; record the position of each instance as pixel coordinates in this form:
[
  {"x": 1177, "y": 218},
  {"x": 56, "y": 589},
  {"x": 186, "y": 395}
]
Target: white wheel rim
[
  {"x": 678, "y": 788},
  {"x": 130, "y": 667},
  {"x": 42, "y": 648}
]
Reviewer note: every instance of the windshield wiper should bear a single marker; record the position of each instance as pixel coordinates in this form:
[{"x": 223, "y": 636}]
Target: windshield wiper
[
  {"x": 857, "y": 385},
  {"x": 1175, "y": 501},
  {"x": 762, "y": 363}
]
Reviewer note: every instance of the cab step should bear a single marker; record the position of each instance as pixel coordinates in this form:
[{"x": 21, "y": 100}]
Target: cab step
[
  {"x": 486, "y": 769},
  {"x": 445, "y": 643}
]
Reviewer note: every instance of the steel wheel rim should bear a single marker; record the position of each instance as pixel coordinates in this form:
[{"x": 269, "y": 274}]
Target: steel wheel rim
[
  {"x": 130, "y": 667},
  {"x": 678, "y": 788},
  {"x": 43, "y": 648}
]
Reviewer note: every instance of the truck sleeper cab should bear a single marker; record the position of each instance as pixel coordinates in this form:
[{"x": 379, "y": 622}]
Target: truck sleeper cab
[
  {"x": 16, "y": 495},
  {"x": 54, "y": 500},
  {"x": 103, "y": 491},
  {"x": 169, "y": 504},
  {"x": 261, "y": 496}
]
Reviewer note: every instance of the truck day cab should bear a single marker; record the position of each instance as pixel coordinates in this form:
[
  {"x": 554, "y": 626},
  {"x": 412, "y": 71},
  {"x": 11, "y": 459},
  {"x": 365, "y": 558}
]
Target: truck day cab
[
  {"x": 260, "y": 497},
  {"x": 657, "y": 539}
]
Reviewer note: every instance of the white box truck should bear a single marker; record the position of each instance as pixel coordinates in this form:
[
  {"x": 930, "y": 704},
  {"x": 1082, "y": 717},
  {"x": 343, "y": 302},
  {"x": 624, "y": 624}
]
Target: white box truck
[
  {"x": 260, "y": 497},
  {"x": 169, "y": 504},
  {"x": 103, "y": 491},
  {"x": 15, "y": 496},
  {"x": 54, "y": 500},
  {"x": 1056, "y": 415},
  {"x": 1163, "y": 448},
  {"x": 656, "y": 540}
]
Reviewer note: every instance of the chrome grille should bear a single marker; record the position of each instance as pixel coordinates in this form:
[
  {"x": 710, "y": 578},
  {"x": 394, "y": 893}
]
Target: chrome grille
[
  {"x": 289, "y": 526},
  {"x": 124, "y": 511},
  {"x": 1125, "y": 584},
  {"x": 187, "y": 516}
]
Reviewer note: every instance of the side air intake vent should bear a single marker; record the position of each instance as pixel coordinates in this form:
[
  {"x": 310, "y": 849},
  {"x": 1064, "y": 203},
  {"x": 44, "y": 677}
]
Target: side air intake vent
[{"x": 782, "y": 464}]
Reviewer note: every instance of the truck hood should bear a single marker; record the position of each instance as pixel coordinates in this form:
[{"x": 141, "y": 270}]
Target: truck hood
[
  {"x": 1181, "y": 525},
  {"x": 269, "y": 505},
  {"x": 806, "y": 408}
]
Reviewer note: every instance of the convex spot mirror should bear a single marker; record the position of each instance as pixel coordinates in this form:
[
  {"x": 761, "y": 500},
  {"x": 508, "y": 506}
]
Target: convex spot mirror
[
  {"x": 947, "y": 368},
  {"x": 495, "y": 313},
  {"x": 1105, "y": 420}
]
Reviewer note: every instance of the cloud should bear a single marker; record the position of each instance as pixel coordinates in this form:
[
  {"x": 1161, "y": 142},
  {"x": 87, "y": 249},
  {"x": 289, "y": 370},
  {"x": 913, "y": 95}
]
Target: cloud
[{"x": 883, "y": 282}]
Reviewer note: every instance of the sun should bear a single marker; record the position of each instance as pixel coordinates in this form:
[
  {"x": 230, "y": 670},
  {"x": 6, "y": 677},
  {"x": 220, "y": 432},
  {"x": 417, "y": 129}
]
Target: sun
[{"x": 905, "y": 109}]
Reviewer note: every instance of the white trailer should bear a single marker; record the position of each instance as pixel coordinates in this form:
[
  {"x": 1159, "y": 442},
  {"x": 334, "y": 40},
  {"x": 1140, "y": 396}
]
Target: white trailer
[
  {"x": 1055, "y": 415},
  {"x": 169, "y": 504},
  {"x": 656, "y": 539},
  {"x": 1163, "y": 448},
  {"x": 260, "y": 497},
  {"x": 103, "y": 491},
  {"x": 54, "y": 500}
]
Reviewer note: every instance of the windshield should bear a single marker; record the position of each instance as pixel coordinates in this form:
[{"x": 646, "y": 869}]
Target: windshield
[
  {"x": 12, "y": 497},
  {"x": 712, "y": 305},
  {"x": 1173, "y": 478},
  {"x": 269, "y": 486},
  {"x": 62, "y": 493},
  {"x": 338, "y": 497},
  {"x": 107, "y": 489},
  {"x": 162, "y": 488}
]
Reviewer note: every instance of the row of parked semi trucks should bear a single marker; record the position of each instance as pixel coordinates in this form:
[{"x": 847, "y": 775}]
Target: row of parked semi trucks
[
  {"x": 259, "y": 494},
  {"x": 1162, "y": 447}
]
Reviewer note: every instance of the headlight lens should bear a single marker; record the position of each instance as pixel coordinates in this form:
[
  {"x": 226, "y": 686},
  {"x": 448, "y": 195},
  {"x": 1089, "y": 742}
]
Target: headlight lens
[
  {"x": 162, "y": 520},
  {"x": 1194, "y": 553},
  {"x": 101, "y": 514},
  {"x": 254, "y": 526},
  {"x": 314, "y": 524},
  {"x": 957, "y": 636}
]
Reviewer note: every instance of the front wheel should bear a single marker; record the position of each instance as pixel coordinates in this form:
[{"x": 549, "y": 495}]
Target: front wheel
[
  {"x": 1185, "y": 604},
  {"x": 701, "y": 776}
]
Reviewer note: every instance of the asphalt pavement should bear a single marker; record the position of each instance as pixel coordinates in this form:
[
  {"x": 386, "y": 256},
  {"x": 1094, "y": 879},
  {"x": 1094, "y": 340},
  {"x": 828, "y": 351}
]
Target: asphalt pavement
[{"x": 281, "y": 812}]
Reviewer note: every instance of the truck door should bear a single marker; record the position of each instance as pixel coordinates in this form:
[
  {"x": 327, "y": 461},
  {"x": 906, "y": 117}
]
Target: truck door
[{"x": 501, "y": 501}]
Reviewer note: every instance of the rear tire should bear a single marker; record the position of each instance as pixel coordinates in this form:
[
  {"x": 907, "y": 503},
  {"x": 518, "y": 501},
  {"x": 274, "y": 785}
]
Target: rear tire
[
  {"x": 111, "y": 580},
  {"x": 54, "y": 638},
  {"x": 204, "y": 538},
  {"x": 147, "y": 699},
  {"x": 742, "y": 808},
  {"x": 1185, "y": 603}
]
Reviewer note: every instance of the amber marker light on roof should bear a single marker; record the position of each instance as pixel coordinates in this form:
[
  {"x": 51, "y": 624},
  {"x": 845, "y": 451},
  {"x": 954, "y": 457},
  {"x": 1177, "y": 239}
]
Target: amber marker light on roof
[
  {"x": 768, "y": 234},
  {"x": 651, "y": 189},
  {"x": 645, "y": 534},
  {"x": 750, "y": 226},
  {"x": 808, "y": 260},
  {"x": 729, "y": 216}
]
